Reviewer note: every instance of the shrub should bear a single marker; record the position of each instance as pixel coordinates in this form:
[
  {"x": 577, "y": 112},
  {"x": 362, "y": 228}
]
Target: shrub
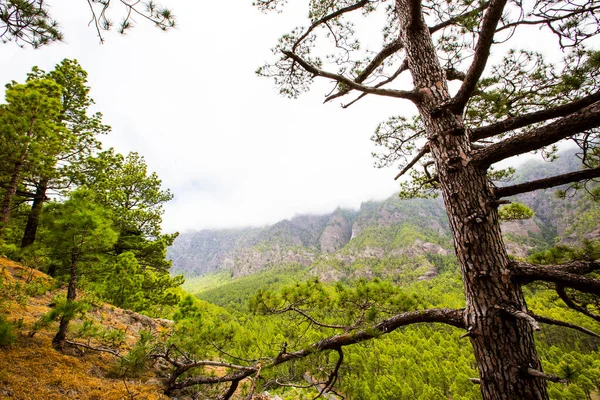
[{"x": 7, "y": 335}]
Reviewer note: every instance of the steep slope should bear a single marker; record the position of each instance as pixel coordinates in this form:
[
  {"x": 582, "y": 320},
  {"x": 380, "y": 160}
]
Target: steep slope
[{"x": 31, "y": 369}]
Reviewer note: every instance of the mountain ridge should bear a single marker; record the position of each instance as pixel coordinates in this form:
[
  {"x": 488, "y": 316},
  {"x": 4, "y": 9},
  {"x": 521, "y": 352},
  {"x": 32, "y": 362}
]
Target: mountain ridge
[{"x": 372, "y": 231}]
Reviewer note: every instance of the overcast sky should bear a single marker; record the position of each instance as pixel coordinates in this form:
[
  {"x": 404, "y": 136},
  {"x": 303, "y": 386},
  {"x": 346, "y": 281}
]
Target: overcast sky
[{"x": 231, "y": 149}]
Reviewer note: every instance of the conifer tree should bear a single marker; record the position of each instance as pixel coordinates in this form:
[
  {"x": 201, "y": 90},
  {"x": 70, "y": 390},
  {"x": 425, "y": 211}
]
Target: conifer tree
[
  {"x": 81, "y": 144},
  {"x": 80, "y": 231},
  {"x": 31, "y": 135},
  {"x": 30, "y": 23}
]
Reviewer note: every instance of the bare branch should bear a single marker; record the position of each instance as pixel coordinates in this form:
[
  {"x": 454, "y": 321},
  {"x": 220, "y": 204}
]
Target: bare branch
[
  {"x": 551, "y": 321},
  {"x": 527, "y": 119},
  {"x": 571, "y": 304},
  {"x": 482, "y": 52},
  {"x": 98, "y": 349},
  {"x": 411, "y": 164},
  {"x": 329, "y": 17},
  {"x": 386, "y": 52},
  {"x": 312, "y": 320},
  {"x": 548, "y": 377},
  {"x": 402, "y": 94},
  {"x": 453, "y": 317},
  {"x": 333, "y": 375},
  {"x": 403, "y": 67},
  {"x": 548, "y": 182},
  {"x": 253, "y": 387},
  {"x": 584, "y": 119}
]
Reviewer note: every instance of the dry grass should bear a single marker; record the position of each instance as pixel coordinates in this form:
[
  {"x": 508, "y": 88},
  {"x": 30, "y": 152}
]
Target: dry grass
[{"x": 31, "y": 369}]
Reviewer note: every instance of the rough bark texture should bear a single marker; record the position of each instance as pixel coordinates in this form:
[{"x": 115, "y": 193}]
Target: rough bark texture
[
  {"x": 33, "y": 219},
  {"x": 503, "y": 344}
]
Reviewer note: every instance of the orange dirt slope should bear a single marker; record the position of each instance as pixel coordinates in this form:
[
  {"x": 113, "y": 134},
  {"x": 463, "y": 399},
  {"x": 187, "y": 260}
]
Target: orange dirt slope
[{"x": 30, "y": 368}]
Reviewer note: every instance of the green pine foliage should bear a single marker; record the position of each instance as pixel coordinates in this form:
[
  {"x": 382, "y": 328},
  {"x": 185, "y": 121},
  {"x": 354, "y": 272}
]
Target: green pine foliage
[{"x": 258, "y": 314}]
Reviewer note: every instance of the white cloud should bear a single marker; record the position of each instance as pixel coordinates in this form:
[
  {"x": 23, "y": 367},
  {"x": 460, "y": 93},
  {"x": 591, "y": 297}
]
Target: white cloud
[{"x": 231, "y": 149}]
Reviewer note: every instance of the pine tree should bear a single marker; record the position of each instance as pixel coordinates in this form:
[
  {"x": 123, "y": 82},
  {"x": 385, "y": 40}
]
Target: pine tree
[
  {"x": 80, "y": 231},
  {"x": 31, "y": 136}
]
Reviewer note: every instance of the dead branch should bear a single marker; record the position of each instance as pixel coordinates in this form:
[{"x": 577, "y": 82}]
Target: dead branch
[
  {"x": 573, "y": 305},
  {"x": 548, "y": 377},
  {"x": 552, "y": 321},
  {"x": 402, "y": 94}
]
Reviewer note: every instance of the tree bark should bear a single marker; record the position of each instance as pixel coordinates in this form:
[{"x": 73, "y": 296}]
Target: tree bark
[
  {"x": 61, "y": 336},
  {"x": 34, "y": 215},
  {"x": 503, "y": 344}
]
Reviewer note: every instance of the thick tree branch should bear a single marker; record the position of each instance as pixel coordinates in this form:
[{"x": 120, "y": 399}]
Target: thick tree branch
[
  {"x": 552, "y": 321},
  {"x": 548, "y": 182},
  {"x": 526, "y": 273},
  {"x": 231, "y": 391},
  {"x": 416, "y": 17},
  {"x": 453, "y": 317},
  {"x": 402, "y": 94},
  {"x": 521, "y": 121},
  {"x": 482, "y": 52},
  {"x": 586, "y": 118}
]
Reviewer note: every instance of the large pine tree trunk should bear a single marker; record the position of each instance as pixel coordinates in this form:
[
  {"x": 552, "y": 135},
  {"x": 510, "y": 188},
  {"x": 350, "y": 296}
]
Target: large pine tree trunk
[
  {"x": 504, "y": 346},
  {"x": 33, "y": 218}
]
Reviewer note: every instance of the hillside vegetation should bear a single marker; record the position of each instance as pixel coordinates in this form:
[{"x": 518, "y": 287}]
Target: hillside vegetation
[{"x": 30, "y": 368}]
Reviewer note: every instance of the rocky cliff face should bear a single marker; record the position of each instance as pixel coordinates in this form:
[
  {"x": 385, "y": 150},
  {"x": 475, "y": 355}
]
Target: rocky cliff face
[
  {"x": 379, "y": 229},
  {"x": 305, "y": 238},
  {"x": 336, "y": 233}
]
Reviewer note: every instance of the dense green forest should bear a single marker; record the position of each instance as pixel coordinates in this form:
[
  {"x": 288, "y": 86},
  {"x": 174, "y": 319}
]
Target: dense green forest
[
  {"x": 417, "y": 362},
  {"x": 476, "y": 282}
]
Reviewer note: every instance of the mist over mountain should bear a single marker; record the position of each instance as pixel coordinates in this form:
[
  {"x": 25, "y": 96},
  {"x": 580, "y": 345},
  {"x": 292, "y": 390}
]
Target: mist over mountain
[{"x": 379, "y": 229}]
